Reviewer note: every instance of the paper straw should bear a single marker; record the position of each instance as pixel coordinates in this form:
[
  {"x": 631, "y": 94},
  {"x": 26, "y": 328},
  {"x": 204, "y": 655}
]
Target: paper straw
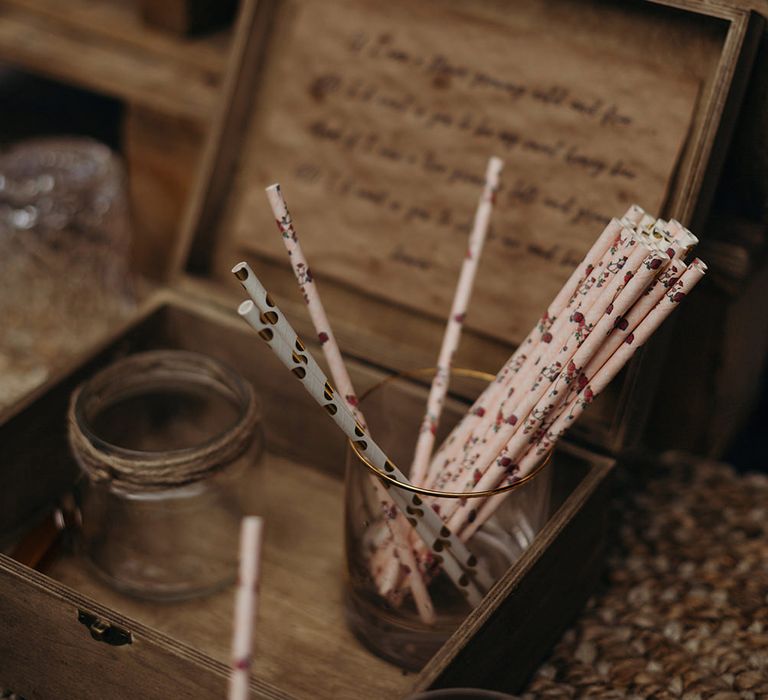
[
  {"x": 462, "y": 567},
  {"x": 556, "y": 393},
  {"x": 579, "y": 402},
  {"x": 540, "y": 333},
  {"x": 311, "y": 296},
  {"x": 625, "y": 254},
  {"x": 450, "y": 344},
  {"x": 568, "y": 332},
  {"x": 397, "y": 526},
  {"x": 246, "y": 607},
  {"x": 625, "y": 323},
  {"x": 682, "y": 243},
  {"x": 478, "y": 471},
  {"x": 571, "y": 374},
  {"x": 634, "y": 340},
  {"x": 603, "y": 279}
]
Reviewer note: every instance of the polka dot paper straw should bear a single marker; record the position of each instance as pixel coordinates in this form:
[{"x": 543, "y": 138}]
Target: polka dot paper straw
[
  {"x": 460, "y": 565},
  {"x": 450, "y": 344},
  {"x": 246, "y": 607}
]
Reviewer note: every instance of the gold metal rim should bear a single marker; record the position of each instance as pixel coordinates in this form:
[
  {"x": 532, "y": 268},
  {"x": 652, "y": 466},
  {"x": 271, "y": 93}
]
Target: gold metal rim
[{"x": 428, "y": 373}]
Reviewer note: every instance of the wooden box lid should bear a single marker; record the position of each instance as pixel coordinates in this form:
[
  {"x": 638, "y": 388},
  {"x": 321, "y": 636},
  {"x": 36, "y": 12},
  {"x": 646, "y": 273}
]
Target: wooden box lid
[{"x": 378, "y": 121}]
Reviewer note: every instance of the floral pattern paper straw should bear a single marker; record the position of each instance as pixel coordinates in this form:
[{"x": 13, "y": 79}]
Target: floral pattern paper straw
[
  {"x": 448, "y": 453},
  {"x": 395, "y": 521},
  {"x": 450, "y": 344},
  {"x": 568, "y": 332},
  {"x": 479, "y": 470},
  {"x": 308, "y": 288},
  {"x": 462, "y": 567},
  {"x": 602, "y": 281},
  {"x": 634, "y": 340},
  {"x": 246, "y": 607},
  {"x": 626, "y": 322},
  {"x": 593, "y": 387},
  {"x": 569, "y": 377}
]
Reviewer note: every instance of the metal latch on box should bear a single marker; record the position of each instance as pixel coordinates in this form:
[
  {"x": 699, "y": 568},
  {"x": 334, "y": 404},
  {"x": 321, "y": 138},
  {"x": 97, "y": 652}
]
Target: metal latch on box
[{"x": 104, "y": 631}]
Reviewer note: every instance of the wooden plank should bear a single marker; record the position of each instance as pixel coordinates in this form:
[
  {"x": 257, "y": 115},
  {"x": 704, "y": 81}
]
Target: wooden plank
[
  {"x": 733, "y": 75},
  {"x": 45, "y": 652},
  {"x": 185, "y": 17},
  {"x": 162, "y": 154},
  {"x": 148, "y": 73},
  {"x": 301, "y": 615},
  {"x": 397, "y": 240},
  {"x": 199, "y": 226},
  {"x": 119, "y": 22}
]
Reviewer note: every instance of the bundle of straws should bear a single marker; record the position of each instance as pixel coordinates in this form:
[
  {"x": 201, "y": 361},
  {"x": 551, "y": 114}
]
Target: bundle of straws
[{"x": 631, "y": 279}]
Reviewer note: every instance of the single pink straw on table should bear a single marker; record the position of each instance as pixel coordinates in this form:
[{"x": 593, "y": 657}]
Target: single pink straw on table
[
  {"x": 452, "y": 335},
  {"x": 397, "y": 525},
  {"x": 246, "y": 607}
]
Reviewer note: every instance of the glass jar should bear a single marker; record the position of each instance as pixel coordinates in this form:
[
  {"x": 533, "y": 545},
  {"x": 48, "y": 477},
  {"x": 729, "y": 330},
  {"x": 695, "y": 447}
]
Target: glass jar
[
  {"x": 167, "y": 442},
  {"x": 389, "y": 625}
]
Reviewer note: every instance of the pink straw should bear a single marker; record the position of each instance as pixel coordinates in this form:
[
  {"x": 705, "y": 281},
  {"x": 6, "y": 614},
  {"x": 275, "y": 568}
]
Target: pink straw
[
  {"x": 246, "y": 607},
  {"x": 448, "y": 452},
  {"x": 592, "y": 388},
  {"x": 452, "y": 335},
  {"x": 397, "y": 525},
  {"x": 622, "y": 258}
]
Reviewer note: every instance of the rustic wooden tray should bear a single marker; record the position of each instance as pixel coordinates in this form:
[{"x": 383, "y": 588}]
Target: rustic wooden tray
[{"x": 304, "y": 648}]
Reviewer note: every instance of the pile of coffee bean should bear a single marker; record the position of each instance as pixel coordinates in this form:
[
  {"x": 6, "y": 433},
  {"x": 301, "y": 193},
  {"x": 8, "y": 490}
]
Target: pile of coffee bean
[{"x": 683, "y": 612}]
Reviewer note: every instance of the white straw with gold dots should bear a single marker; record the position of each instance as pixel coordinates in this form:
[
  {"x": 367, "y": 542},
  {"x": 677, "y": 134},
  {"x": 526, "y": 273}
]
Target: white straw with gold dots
[{"x": 461, "y": 566}]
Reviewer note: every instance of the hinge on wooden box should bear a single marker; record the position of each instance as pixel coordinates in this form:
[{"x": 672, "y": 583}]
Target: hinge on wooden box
[{"x": 104, "y": 631}]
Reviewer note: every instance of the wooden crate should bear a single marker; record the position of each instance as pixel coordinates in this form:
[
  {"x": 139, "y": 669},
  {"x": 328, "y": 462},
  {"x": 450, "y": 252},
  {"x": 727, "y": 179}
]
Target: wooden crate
[
  {"x": 302, "y": 616},
  {"x": 304, "y": 648}
]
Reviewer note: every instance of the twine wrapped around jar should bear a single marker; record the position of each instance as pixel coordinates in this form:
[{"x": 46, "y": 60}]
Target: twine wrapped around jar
[{"x": 134, "y": 470}]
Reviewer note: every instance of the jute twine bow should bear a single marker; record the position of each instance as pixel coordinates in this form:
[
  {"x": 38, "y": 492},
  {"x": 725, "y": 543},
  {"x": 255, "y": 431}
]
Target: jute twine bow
[{"x": 134, "y": 470}]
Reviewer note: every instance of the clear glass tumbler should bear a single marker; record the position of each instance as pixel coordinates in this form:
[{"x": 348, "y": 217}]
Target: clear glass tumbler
[
  {"x": 167, "y": 442},
  {"x": 390, "y": 625}
]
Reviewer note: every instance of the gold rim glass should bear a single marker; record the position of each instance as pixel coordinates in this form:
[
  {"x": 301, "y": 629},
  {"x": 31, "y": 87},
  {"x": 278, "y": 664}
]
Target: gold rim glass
[{"x": 427, "y": 373}]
